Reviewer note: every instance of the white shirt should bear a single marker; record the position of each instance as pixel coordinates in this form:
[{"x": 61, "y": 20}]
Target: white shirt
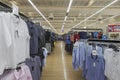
[
  {"x": 108, "y": 53},
  {"x": 116, "y": 66},
  {"x": 112, "y": 64},
  {"x": 45, "y": 52},
  {"x": 19, "y": 49},
  {"x": 5, "y": 42}
]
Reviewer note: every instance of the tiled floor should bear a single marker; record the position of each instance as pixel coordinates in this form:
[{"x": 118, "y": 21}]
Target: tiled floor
[{"x": 59, "y": 66}]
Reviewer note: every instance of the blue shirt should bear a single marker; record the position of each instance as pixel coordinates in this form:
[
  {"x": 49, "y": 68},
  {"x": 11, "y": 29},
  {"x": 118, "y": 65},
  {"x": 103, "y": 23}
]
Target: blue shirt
[
  {"x": 95, "y": 34},
  {"x": 82, "y": 53},
  {"x": 94, "y": 68},
  {"x": 68, "y": 41},
  {"x": 104, "y": 37},
  {"x": 97, "y": 48},
  {"x": 79, "y": 52},
  {"x": 75, "y": 60}
]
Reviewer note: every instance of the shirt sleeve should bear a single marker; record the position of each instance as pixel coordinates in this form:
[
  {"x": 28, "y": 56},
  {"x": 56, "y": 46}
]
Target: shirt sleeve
[
  {"x": 6, "y": 32},
  {"x": 86, "y": 63}
]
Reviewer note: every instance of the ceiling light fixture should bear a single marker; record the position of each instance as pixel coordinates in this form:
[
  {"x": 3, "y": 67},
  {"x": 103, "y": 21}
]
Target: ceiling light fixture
[
  {"x": 41, "y": 15},
  {"x": 91, "y": 2},
  {"x": 65, "y": 18},
  {"x": 94, "y": 14},
  {"x": 105, "y": 19},
  {"x": 70, "y": 4},
  {"x": 67, "y": 12},
  {"x": 84, "y": 27}
]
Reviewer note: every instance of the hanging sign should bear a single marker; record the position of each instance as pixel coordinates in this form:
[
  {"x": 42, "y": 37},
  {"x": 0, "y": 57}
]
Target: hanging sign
[{"x": 114, "y": 28}]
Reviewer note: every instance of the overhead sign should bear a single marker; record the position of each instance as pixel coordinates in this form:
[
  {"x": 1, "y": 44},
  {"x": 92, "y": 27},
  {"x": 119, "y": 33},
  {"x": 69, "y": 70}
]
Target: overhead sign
[{"x": 114, "y": 28}]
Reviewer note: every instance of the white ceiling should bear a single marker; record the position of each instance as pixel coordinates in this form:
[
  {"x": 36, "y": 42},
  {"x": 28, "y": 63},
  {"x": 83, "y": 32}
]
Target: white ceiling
[{"x": 78, "y": 11}]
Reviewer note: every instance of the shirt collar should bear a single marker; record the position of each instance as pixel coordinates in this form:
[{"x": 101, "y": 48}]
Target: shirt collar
[{"x": 94, "y": 57}]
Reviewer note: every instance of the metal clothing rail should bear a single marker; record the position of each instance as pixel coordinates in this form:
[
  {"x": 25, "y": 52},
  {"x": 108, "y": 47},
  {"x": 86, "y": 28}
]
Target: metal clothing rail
[
  {"x": 104, "y": 41},
  {"x": 6, "y": 7},
  {"x": 86, "y": 29}
]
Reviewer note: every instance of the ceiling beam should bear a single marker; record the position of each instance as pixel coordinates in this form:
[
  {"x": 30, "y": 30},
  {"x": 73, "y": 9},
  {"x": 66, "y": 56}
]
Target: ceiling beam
[{"x": 28, "y": 8}]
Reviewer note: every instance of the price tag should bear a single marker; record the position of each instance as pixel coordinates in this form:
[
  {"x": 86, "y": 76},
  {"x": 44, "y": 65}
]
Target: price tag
[
  {"x": 15, "y": 9},
  {"x": 94, "y": 65}
]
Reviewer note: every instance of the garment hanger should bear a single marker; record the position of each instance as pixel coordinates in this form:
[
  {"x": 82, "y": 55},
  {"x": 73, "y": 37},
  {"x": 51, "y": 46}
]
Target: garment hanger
[
  {"x": 94, "y": 53},
  {"x": 19, "y": 66},
  {"x": 17, "y": 16}
]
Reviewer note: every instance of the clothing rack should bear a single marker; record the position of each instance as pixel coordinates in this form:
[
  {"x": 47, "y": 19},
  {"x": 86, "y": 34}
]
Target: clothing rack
[
  {"x": 87, "y": 29},
  {"x": 108, "y": 42},
  {"x": 5, "y": 7},
  {"x": 103, "y": 41}
]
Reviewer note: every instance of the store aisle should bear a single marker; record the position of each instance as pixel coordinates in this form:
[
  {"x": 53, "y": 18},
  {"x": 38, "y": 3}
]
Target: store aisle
[{"x": 59, "y": 66}]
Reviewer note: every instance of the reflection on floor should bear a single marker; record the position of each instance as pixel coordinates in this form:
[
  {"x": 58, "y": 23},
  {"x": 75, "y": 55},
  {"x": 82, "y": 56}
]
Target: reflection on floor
[{"x": 59, "y": 66}]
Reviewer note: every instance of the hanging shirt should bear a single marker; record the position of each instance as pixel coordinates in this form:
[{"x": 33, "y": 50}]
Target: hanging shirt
[
  {"x": 47, "y": 36},
  {"x": 79, "y": 54},
  {"x": 104, "y": 37},
  {"x": 83, "y": 35},
  {"x": 76, "y": 37},
  {"x": 19, "y": 49},
  {"x": 45, "y": 52},
  {"x": 40, "y": 39},
  {"x": 33, "y": 37},
  {"x": 72, "y": 38},
  {"x": 108, "y": 53},
  {"x": 117, "y": 66},
  {"x": 82, "y": 53},
  {"x": 68, "y": 41},
  {"x": 112, "y": 64},
  {"x": 99, "y": 35},
  {"x": 94, "y": 68},
  {"x": 97, "y": 48},
  {"x": 22, "y": 74},
  {"x": 95, "y": 34},
  {"x": 5, "y": 42},
  {"x": 75, "y": 60},
  {"x": 34, "y": 64}
]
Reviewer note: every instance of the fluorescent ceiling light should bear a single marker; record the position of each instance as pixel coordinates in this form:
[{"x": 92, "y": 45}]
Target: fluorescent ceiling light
[
  {"x": 91, "y": 2},
  {"x": 84, "y": 27},
  {"x": 65, "y": 18},
  {"x": 67, "y": 12},
  {"x": 94, "y": 14},
  {"x": 41, "y": 14},
  {"x": 70, "y": 3}
]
